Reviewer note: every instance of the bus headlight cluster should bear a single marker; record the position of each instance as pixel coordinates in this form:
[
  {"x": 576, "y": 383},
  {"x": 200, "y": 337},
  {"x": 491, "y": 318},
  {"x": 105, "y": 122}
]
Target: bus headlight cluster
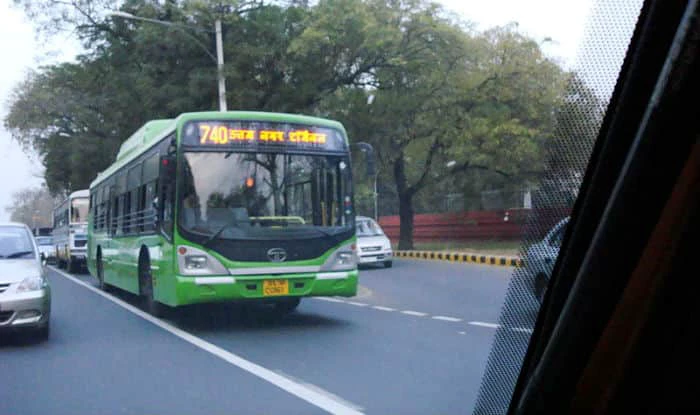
[
  {"x": 193, "y": 261},
  {"x": 344, "y": 259}
]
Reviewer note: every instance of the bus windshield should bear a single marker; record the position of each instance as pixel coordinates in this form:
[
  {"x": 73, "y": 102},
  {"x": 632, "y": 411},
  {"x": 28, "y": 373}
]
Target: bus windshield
[
  {"x": 44, "y": 240},
  {"x": 242, "y": 195},
  {"x": 79, "y": 209}
]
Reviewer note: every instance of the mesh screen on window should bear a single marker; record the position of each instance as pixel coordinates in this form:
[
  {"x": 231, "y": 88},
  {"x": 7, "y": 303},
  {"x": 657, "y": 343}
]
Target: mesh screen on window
[{"x": 587, "y": 85}]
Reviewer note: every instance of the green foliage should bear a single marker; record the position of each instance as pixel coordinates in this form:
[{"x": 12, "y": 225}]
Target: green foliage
[{"x": 425, "y": 90}]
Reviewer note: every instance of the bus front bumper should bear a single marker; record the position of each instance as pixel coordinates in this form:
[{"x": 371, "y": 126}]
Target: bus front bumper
[{"x": 192, "y": 290}]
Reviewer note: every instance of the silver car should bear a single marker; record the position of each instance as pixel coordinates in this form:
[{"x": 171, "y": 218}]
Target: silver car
[
  {"x": 540, "y": 258},
  {"x": 25, "y": 295},
  {"x": 373, "y": 245}
]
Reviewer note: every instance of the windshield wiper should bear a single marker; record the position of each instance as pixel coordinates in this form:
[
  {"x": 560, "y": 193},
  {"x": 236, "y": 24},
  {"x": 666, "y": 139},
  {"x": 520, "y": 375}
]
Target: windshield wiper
[
  {"x": 218, "y": 232},
  {"x": 323, "y": 231},
  {"x": 18, "y": 254}
]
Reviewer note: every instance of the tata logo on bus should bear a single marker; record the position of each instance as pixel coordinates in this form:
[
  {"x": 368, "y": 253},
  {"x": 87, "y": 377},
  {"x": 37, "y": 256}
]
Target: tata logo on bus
[{"x": 277, "y": 254}]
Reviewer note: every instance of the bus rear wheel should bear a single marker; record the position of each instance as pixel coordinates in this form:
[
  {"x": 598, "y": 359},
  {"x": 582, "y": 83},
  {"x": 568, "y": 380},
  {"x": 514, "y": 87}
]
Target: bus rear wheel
[
  {"x": 150, "y": 305},
  {"x": 71, "y": 266}
]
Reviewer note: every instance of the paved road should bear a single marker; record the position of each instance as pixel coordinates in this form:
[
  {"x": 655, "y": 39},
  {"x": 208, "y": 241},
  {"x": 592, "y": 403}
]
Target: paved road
[{"x": 414, "y": 341}]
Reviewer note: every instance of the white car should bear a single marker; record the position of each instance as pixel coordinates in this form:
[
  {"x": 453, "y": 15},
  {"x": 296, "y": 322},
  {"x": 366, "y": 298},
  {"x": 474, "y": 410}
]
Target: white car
[
  {"x": 373, "y": 246},
  {"x": 25, "y": 295},
  {"x": 540, "y": 258}
]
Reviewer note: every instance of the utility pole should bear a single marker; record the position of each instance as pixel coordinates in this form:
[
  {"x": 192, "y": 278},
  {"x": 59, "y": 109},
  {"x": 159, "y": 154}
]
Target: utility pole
[{"x": 220, "y": 65}]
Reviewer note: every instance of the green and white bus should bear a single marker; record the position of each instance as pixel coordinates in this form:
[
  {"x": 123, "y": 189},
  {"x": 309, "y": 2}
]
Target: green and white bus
[{"x": 224, "y": 206}]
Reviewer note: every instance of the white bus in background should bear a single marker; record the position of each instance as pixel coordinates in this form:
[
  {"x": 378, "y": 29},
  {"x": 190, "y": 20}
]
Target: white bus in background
[{"x": 70, "y": 221}]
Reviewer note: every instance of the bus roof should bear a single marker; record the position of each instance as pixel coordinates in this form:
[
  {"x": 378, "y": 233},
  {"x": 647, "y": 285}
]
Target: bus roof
[
  {"x": 153, "y": 131},
  {"x": 80, "y": 193}
]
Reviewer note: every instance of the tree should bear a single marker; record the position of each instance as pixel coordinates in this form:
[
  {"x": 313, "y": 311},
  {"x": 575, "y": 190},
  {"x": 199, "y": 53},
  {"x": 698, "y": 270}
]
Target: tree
[
  {"x": 484, "y": 101},
  {"x": 423, "y": 88},
  {"x": 33, "y": 207}
]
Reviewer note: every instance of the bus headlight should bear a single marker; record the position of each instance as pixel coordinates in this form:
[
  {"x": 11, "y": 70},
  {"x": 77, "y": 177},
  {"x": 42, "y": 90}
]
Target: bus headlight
[
  {"x": 343, "y": 259},
  {"x": 193, "y": 261}
]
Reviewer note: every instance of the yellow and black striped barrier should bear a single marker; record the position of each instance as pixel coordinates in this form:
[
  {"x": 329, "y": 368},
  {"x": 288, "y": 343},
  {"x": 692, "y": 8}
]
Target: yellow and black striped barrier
[{"x": 462, "y": 257}]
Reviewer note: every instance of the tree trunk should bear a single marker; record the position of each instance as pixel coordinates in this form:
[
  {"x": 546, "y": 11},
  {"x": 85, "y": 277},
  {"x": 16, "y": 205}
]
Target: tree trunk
[
  {"x": 405, "y": 204},
  {"x": 406, "y": 221}
]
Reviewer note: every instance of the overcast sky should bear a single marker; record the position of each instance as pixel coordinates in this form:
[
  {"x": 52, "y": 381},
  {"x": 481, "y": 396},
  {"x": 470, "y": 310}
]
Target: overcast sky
[{"x": 561, "y": 21}]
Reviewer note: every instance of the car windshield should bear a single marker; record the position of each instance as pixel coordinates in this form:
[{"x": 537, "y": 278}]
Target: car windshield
[
  {"x": 265, "y": 195},
  {"x": 15, "y": 242},
  {"x": 368, "y": 227},
  {"x": 44, "y": 241}
]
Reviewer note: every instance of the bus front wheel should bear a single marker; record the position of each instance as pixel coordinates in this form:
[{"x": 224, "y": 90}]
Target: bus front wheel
[
  {"x": 150, "y": 305},
  {"x": 100, "y": 272}
]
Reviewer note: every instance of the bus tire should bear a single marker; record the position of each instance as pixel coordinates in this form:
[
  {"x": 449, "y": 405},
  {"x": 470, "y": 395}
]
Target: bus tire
[
  {"x": 388, "y": 264},
  {"x": 287, "y": 305},
  {"x": 70, "y": 265},
  {"x": 100, "y": 271},
  {"x": 150, "y": 305}
]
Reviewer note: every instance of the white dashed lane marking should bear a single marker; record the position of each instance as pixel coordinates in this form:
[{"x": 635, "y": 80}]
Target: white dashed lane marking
[
  {"x": 422, "y": 314},
  {"x": 382, "y": 308},
  {"x": 445, "y": 318},
  {"x": 414, "y": 313},
  {"x": 482, "y": 324}
]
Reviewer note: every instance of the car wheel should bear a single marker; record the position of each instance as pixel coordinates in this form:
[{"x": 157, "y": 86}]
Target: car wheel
[{"x": 388, "y": 264}]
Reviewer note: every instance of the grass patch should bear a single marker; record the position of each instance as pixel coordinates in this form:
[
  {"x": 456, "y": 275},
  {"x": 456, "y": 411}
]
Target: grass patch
[{"x": 490, "y": 247}]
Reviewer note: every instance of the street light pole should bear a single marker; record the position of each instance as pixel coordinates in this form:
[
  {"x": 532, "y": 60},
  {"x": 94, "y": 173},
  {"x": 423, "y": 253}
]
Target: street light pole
[
  {"x": 375, "y": 197},
  {"x": 220, "y": 65},
  {"x": 371, "y": 170},
  {"x": 218, "y": 59}
]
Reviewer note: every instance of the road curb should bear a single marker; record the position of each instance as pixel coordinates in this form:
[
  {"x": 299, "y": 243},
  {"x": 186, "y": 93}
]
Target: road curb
[{"x": 504, "y": 261}]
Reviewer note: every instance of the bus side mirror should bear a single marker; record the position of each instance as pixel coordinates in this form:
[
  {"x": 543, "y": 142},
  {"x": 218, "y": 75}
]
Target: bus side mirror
[{"x": 167, "y": 168}]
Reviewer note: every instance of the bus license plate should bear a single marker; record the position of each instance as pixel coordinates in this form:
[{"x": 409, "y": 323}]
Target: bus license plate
[{"x": 275, "y": 287}]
